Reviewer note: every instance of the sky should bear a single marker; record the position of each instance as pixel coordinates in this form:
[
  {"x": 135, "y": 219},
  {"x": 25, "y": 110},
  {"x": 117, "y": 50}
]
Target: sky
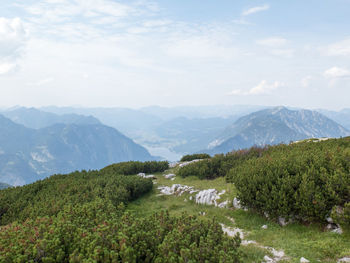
[{"x": 109, "y": 53}]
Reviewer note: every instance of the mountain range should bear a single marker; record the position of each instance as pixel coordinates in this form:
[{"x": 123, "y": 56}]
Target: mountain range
[
  {"x": 274, "y": 126},
  {"x": 27, "y": 154},
  {"x": 3, "y": 186}
]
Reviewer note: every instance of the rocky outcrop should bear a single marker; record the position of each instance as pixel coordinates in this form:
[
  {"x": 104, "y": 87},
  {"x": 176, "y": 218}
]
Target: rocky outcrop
[
  {"x": 211, "y": 197},
  {"x": 176, "y": 189}
]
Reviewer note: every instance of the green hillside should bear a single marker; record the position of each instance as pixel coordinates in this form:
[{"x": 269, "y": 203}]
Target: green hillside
[
  {"x": 112, "y": 215},
  {"x": 81, "y": 217}
]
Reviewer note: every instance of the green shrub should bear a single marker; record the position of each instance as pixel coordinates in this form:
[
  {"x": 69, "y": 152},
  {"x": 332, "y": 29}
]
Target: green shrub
[
  {"x": 304, "y": 180},
  {"x": 130, "y": 168},
  {"x": 220, "y": 164},
  {"x": 196, "y": 156},
  {"x": 48, "y": 197},
  {"x": 97, "y": 232}
]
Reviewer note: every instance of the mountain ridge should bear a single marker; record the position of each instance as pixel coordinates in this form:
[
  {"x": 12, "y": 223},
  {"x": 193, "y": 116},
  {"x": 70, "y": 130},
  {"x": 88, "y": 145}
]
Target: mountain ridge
[
  {"x": 27, "y": 155},
  {"x": 273, "y": 126}
]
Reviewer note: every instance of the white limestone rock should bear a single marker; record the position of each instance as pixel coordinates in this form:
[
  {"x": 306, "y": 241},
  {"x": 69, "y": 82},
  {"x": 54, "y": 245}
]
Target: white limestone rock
[
  {"x": 223, "y": 204},
  {"x": 304, "y": 260},
  {"x": 343, "y": 260},
  {"x": 207, "y": 197},
  {"x": 231, "y": 232},
  {"x": 267, "y": 259},
  {"x": 175, "y": 189},
  {"x": 143, "y": 175},
  {"x": 338, "y": 230},
  {"x": 236, "y": 203},
  {"x": 283, "y": 222},
  {"x": 330, "y": 220},
  {"x": 189, "y": 162},
  {"x": 169, "y": 176},
  {"x": 264, "y": 227}
]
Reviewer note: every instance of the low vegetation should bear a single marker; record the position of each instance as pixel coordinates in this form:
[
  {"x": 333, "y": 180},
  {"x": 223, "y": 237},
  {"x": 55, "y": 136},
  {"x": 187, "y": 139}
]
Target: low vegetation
[
  {"x": 196, "y": 156},
  {"x": 132, "y": 167},
  {"x": 220, "y": 164},
  {"x": 303, "y": 180},
  {"x": 81, "y": 217}
]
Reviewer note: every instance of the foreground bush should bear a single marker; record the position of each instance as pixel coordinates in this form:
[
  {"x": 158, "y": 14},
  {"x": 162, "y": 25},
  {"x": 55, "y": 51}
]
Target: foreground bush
[
  {"x": 304, "y": 180},
  {"x": 98, "y": 232},
  {"x": 49, "y": 196},
  {"x": 130, "y": 168},
  {"x": 197, "y": 156}
]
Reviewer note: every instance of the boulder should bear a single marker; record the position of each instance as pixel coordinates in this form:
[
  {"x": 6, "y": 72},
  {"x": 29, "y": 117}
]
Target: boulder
[
  {"x": 223, "y": 204},
  {"x": 207, "y": 197},
  {"x": 236, "y": 203},
  {"x": 267, "y": 259},
  {"x": 169, "y": 176},
  {"x": 338, "y": 230}
]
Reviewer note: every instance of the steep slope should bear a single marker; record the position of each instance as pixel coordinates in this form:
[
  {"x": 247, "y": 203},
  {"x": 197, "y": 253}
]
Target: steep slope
[
  {"x": 27, "y": 154},
  {"x": 342, "y": 117},
  {"x": 273, "y": 126},
  {"x": 36, "y": 119}
]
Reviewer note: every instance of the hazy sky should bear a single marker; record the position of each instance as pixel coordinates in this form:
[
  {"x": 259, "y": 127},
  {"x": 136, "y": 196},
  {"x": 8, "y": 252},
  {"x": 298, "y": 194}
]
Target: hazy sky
[{"x": 175, "y": 52}]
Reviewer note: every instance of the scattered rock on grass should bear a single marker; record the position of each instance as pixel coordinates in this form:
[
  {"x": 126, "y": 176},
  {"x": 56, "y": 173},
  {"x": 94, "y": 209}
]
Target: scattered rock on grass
[
  {"x": 236, "y": 203},
  {"x": 264, "y": 227},
  {"x": 169, "y": 176},
  {"x": 304, "y": 260},
  {"x": 343, "y": 260}
]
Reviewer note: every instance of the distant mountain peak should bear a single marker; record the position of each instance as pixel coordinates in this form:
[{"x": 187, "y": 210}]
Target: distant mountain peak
[{"x": 276, "y": 125}]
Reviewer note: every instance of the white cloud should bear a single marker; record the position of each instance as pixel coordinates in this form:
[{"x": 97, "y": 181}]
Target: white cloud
[
  {"x": 157, "y": 23},
  {"x": 336, "y": 73},
  {"x": 341, "y": 48},
  {"x": 6, "y": 68},
  {"x": 201, "y": 45},
  {"x": 262, "y": 88},
  {"x": 12, "y": 42},
  {"x": 305, "y": 82},
  {"x": 272, "y": 42},
  {"x": 255, "y": 9},
  {"x": 42, "y": 82}
]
